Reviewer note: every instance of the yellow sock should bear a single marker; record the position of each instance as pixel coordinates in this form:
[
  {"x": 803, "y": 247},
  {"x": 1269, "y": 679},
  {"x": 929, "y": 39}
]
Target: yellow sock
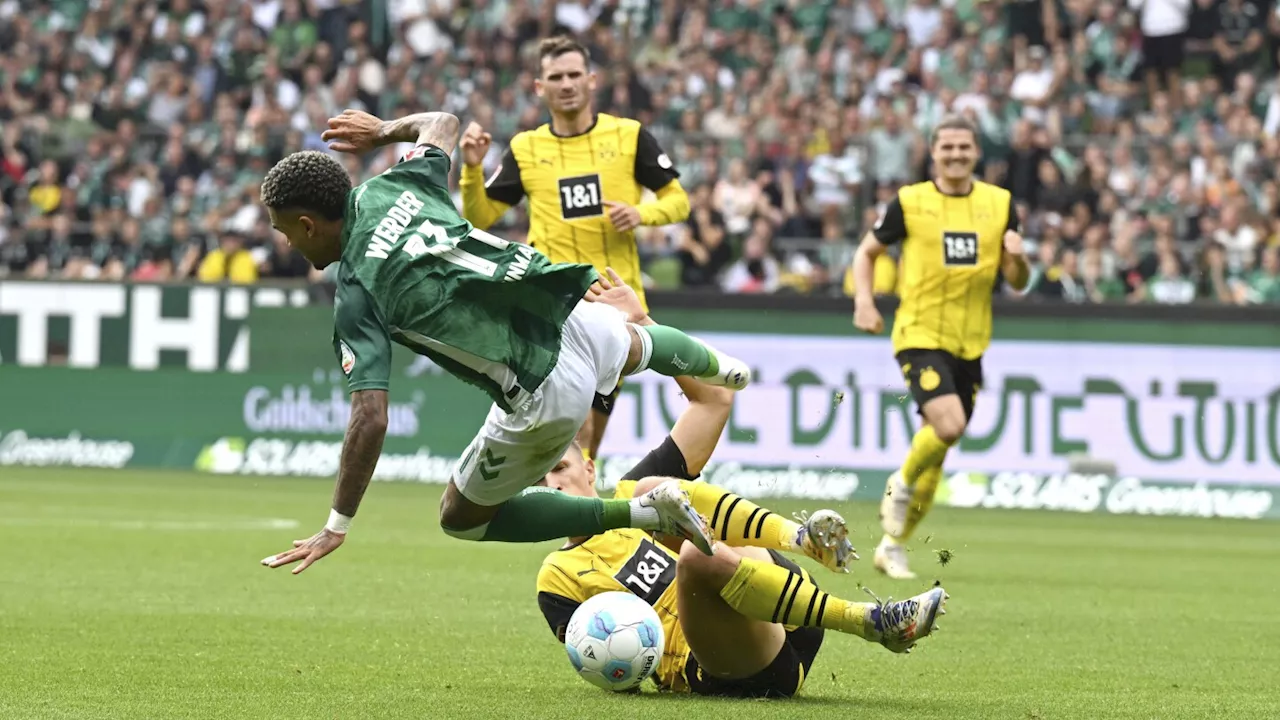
[
  {"x": 738, "y": 522},
  {"x": 771, "y": 593},
  {"x": 927, "y": 451},
  {"x": 921, "y": 500}
]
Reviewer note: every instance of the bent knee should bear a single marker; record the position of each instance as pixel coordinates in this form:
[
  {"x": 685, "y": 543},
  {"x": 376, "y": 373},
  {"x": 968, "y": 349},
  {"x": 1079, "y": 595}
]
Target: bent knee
[
  {"x": 948, "y": 421},
  {"x": 645, "y": 484},
  {"x": 950, "y": 429},
  {"x": 461, "y": 518},
  {"x": 695, "y": 567}
]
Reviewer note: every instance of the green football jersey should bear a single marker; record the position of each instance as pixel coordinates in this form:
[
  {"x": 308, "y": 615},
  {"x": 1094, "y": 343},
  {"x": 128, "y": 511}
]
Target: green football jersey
[{"x": 413, "y": 271}]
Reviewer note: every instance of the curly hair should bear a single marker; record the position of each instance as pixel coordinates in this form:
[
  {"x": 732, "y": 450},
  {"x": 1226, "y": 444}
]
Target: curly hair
[{"x": 308, "y": 180}]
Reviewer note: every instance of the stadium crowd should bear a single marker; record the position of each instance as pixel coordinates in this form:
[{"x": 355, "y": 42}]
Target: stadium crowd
[{"x": 1140, "y": 141}]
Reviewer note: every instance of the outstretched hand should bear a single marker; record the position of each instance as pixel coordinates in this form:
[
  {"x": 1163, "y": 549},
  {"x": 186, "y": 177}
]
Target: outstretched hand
[
  {"x": 308, "y": 551},
  {"x": 615, "y": 292}
]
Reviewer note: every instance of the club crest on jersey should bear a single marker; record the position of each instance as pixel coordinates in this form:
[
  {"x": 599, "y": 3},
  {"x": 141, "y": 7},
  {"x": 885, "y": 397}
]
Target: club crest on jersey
[{"x": 348, "y": 358}]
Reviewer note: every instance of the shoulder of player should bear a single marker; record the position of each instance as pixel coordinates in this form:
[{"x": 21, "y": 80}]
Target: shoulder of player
[
  {"x": 994, "y": 190},
  {"x": 997, "y": 199},
  {"x": 351, "y": 288},
  {"x": 612, "y": 123},
  {"x": 569, "y": 553},
  {"x": 906, "y": 193},
  {"x": 556, "y": 573}
]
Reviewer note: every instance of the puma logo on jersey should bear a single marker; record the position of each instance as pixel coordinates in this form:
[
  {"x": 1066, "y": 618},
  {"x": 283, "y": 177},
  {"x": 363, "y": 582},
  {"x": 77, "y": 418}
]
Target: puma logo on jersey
[
  {"x": 519, "y": 266},
  {"x": 393, "y": 225}
]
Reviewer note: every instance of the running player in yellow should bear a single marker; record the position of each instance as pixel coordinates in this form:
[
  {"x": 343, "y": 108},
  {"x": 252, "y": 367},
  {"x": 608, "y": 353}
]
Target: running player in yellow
[
  {"x": 958, "y": 236},
  {"x": 585, "y": 174},
  {"x": 745, "y": 621}
]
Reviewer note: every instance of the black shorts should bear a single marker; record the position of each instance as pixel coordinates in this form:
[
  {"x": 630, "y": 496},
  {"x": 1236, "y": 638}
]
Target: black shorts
[
  {"x": 781, "y": 679},
  {"x": 935, "y": 373},
  {"x": 1163, "y": 52},
  {"x": 603, "y": 404}
]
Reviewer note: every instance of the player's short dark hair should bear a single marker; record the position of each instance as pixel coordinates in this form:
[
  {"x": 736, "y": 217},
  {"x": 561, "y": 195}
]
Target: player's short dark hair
[
  {"x": 557, "y": 45},
  {"x": 953, "y": 122},
  {"x": 308, "y": 180}
]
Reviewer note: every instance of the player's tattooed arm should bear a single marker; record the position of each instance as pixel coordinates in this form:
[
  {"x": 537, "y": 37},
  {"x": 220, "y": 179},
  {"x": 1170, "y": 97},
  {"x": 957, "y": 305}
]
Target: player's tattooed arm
[
  {"x": 358, "y": 132},
  {"x": 361, "y": 449},
  {"x": 430, "y": 128}
]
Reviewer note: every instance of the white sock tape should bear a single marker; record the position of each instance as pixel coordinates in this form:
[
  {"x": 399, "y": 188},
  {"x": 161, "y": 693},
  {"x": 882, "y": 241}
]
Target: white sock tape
[
  {"x": 338, "y": 523},
  {"x": 646, "y": 348}
]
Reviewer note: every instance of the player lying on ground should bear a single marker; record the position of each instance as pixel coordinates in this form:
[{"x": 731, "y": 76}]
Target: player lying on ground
[
  {"x": 745, "y": 621},
  {"x": 494, "y": 314}
]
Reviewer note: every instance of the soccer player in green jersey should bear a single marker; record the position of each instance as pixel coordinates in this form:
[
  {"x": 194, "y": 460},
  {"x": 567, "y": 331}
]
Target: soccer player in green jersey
[{"x": 495, "y": 314}]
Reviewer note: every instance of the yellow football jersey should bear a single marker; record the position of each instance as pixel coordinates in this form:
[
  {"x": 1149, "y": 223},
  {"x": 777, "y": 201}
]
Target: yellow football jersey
[
  {"x": 951, "y": 252},
  {"x": 568, "y": 180},
  {"x": 617, "y": 561}
]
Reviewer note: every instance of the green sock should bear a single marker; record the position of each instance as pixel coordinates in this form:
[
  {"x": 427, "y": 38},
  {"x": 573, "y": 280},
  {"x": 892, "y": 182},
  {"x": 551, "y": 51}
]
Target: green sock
[
  {"x": 667, "y": 351},
  {"x": 540, "y": 514}
]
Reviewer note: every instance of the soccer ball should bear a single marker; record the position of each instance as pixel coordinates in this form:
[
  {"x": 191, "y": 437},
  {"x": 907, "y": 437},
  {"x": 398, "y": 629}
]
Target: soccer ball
[{"x": 614, "y": 641}]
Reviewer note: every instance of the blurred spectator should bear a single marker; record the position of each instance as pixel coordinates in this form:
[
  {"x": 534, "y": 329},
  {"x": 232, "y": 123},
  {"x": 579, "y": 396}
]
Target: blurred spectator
[
  {"x": 1169, "y": 286},
  {"x": 230, "y": 261},
  {"x": 1263, "y": 285},
  {"x": 703, "y": 250},
  {"x": 1139, "y": 137},
  {"x": 757, "y": 271}
]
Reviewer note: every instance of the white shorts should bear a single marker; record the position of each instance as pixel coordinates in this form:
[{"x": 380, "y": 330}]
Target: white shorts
[{"x": 514, "y": 450}]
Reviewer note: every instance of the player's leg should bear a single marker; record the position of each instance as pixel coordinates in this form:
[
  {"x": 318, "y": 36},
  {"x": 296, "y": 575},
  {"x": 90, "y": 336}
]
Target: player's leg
[
  {"x": 592, "y": 432},
  {"x": 490, "y": 497},
  {"x": 738, "y": 522},
  {"x": 731, "y": 654},
  {"x": 761, "y": 590},
  {"x": 668, "y": 351},
  {"x": 727, "y": 644},
  {"x": 944, "y": 392}
]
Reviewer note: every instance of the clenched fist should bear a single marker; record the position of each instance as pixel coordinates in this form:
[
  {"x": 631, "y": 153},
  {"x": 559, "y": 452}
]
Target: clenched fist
[
  {"x": 474, "y": 144},
  {"x": 1012, "y": 242},
  {"x": 867, "y": 318}
]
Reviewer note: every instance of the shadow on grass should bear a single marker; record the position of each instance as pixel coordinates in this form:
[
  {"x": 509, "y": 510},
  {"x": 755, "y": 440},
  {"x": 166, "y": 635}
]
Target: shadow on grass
[{"x": 813, "y": 700}]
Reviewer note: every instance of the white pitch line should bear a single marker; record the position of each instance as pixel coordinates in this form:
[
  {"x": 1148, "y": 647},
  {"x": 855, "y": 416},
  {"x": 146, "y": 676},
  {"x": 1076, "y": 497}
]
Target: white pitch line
[{"x": 163, "y": 524}]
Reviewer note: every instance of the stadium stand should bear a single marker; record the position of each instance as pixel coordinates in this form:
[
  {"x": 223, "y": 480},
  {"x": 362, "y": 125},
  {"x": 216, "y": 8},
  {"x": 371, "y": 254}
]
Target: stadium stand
[{"x": 1140, "y": 141}]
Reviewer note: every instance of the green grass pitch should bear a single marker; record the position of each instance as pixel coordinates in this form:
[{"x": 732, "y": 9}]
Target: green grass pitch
[{"x": 139, "y": 595}]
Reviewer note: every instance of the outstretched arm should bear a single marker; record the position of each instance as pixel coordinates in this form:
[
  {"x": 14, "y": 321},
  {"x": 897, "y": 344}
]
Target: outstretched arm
[
  {"x": 432, "y": 128},
  {"x": 359, "y": 132},
  {"x": 366, "y": 432},
  {"x": 360, "y": 450}
]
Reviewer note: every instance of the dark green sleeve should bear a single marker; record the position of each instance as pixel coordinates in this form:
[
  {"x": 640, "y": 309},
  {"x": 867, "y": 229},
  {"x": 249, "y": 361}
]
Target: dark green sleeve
[
  {"x": 427, "y": 164},
  {"x": 360, "y": 339}
]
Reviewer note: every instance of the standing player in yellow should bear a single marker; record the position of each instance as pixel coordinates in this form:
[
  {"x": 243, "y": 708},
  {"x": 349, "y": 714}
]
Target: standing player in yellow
[
  {"x": 958, "y": 235},
  {"x": 584, "y": 174},
  {"x": 745, "y": 621}
]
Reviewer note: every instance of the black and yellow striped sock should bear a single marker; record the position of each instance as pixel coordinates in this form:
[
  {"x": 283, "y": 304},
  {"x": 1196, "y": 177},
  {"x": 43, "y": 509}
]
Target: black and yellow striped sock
[
  {"x": 738, "y": 522},
  {"x": 771, "y": 593}
]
